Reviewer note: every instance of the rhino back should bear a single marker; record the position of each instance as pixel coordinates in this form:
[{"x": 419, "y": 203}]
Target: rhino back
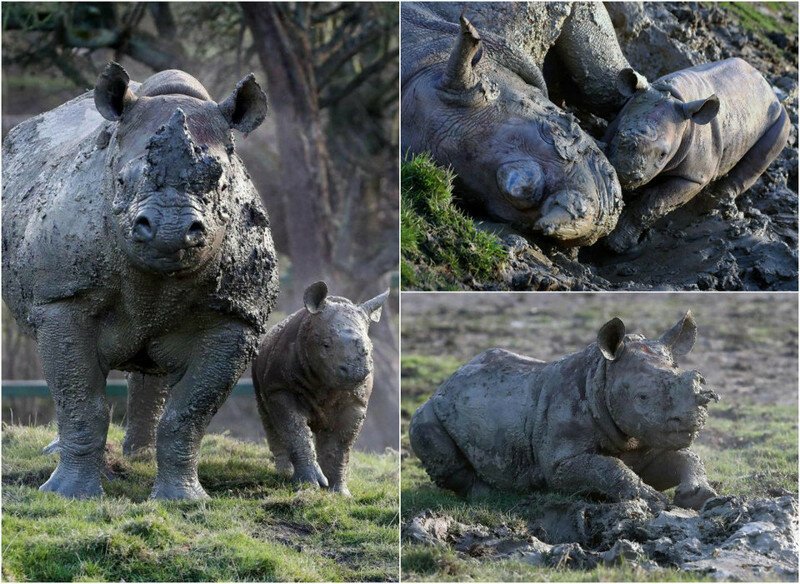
[
  {"x": 54, "y": 212},
  {"x": 748, "y": 107},
  {"x": 484, "y": 407}
]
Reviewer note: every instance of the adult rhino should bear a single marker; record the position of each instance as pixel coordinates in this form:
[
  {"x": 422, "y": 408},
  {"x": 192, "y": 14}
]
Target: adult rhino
[
  {"x": 133, "y": 239},
  {"x": 473, "y": 95}
]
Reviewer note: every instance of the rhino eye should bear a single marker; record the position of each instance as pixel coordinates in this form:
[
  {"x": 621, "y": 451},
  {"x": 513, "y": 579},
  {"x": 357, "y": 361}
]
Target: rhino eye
[{"x": 641, "y": 397}]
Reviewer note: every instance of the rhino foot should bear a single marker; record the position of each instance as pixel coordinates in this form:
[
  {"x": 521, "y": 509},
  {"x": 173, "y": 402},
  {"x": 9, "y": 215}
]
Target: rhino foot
[
  {"x": 73, "y": 483},
  {"x": 693, "y": 496},
  {"x": 340, "y": 488},
  {"x": 190, "y": 490},
  {"x": 624, "y": 237},
  {"x": 309, "y": 475}
]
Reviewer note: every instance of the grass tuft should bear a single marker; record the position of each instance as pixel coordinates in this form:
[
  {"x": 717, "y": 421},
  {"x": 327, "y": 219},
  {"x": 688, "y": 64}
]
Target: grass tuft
[{"x": 440, "y": 246}]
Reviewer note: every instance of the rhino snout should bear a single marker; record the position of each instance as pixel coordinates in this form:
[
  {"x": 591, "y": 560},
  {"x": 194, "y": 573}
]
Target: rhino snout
[
  {"x": 566, "y": 216},
  {"x": 170, "y": 233}
]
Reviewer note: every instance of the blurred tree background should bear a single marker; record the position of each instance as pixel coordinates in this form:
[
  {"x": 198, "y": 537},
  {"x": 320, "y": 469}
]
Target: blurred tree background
[{"x": 325, "y": 161}]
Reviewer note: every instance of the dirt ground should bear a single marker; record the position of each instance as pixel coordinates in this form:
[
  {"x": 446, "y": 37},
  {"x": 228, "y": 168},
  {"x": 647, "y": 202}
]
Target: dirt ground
[{"x": 746, "y": 346}]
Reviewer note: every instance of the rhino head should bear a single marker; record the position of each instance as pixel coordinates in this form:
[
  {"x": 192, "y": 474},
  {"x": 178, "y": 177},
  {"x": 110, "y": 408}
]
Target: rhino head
[
  {"x": 335, "y": 336},
  {"x": 515, "y": 154},
  {"x": 649, "y": 130},
  {"x": 172, "y": 168},
  {"x": 648, "y": 396}
]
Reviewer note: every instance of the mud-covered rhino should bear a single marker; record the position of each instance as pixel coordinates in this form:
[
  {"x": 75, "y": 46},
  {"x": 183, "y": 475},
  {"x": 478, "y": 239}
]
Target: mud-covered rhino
[
  {"x": 615, "y": 419},
  {"x": 717, "y": 122},
  {"x": 133, "y": 239},
  {"x": 473, "y": 95},
  {"x": 313, "y": 380}
]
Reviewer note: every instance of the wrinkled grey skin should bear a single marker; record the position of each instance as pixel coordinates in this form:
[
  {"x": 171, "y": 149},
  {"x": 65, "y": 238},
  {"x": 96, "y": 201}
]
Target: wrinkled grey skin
[
  {"x": 313, "y": 379},
  {"x": 473, "y": 96},
  {"x": 137, "y": 242},
  {"x": 714, "y": 122},
  {"x": 615, "y": 419}
]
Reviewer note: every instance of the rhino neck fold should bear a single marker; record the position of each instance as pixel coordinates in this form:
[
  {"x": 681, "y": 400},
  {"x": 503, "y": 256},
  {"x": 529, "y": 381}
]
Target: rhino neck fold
[{"x": 600, "y": 408}]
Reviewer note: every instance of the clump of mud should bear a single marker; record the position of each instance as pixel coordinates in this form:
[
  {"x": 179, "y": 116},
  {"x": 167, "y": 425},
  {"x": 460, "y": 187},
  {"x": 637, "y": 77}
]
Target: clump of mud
[
  {"x": 731, "y": 539},
  {"x": 706, "y": 245}
]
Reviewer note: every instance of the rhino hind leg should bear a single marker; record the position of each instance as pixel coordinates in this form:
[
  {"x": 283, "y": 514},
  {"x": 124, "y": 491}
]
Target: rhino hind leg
[
  {"x": 752, "y": 165},
  {"x": 77, "y": 383},
  {"x": 146, "y": 397},
  {"x": 440, "y": 456}
]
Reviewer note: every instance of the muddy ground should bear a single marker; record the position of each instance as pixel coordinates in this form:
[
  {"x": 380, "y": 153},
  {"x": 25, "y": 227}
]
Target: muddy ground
[
  {"x": 703, "y": 246},
  {"x": 746, "y": 349}
]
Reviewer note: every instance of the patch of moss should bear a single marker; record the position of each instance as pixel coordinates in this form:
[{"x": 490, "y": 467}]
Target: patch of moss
[{"x": 440, "y": 245}]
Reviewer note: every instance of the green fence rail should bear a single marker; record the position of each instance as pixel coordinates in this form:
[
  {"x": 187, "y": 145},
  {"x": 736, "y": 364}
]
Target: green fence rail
[{"x": 114, "y": 388}]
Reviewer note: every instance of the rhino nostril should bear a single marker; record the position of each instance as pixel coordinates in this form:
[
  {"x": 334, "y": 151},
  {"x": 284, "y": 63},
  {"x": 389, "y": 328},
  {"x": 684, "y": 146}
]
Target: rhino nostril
[
  {"x": 195, "y": 235},
  {"x": 143, "y": 229}
]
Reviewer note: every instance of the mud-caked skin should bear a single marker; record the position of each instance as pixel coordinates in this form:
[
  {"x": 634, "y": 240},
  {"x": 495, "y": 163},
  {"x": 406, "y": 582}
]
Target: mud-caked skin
[
  {"x": 133, "y": 239},
  {"x": 615, "y": 420},
  {"x": 313, "y": 379},
  {"x": 714, "y": 122},
  {"x": 473, "y": 96}
]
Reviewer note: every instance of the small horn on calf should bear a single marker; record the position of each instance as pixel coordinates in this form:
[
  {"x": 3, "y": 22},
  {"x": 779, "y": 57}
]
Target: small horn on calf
[
  {"x": 460, "y": 73},
  {"x": 522, "y": 182}
]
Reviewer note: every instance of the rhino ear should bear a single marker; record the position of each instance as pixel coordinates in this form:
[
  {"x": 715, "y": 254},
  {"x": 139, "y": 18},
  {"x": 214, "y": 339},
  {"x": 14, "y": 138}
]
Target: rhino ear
[
  {"x": 680, "y": 338},
  {"x": 611, "y": 339},
  {"x": 246, "y": 107},
  {"x": 111, "y": 92},
  {"x": 701, "y": 111},
  {"x": 373, "y": 307},
  {"x": 314, "y": 297},
  {"x": 629, "y": 82},
  {"x": 459, "y": 74}
]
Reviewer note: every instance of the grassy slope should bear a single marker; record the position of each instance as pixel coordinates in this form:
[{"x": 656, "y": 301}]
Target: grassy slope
[
  {"x": 434, "y": 255},
  {"x": 255, "y": 527},
  {"x": 748, "y": 450}
]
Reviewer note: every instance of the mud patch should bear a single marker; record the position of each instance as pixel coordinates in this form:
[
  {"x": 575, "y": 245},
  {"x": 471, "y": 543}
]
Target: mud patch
[{"x": 730, "y": 539}]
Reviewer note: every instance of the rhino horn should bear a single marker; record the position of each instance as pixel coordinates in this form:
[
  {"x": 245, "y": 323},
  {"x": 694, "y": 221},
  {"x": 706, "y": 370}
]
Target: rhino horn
[
  {"x": 175, "y": 159},
  {"x": 314, "y": 297},
  {"x": 460, "y": 74},
  {"x": 112, "y": 94},
  {"x": 373, "y": 306},
  {"x": 522, "y": 182},
  {"x": 681, "y": 337},
  {"x": 565, "y": 216}
]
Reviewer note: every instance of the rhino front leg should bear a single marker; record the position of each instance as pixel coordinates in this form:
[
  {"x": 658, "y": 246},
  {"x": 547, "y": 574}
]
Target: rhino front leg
[
  {"x": 654, "y": 202},
  {"x": 604, "y": 475},
  {"x": 216, "y": 360},
  {"x": 283, "y": 463},
  {"x": 66, "y": 338},
  {"x": 333, "y": 448},
  {"x": 146, "y": 397},
  {"x": 664, "y": 469},
  {"x": 754, "y": 163},
  {"x": 289, "y": 420}
]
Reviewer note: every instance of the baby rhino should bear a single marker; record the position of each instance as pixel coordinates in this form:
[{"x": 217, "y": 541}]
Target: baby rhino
[
  {"x": 714, "y": 122},
  {"x": 615, "y": 419},
  {"x": 313, "y": 379}
]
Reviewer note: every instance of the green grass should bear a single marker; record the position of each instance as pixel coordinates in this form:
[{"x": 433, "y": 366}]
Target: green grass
[
  {"x": 255, "y": 527},
  {"x": 749, "y": 450},
  {"x": 440, "y": 246},
  {"x": 764, "y": 17}
]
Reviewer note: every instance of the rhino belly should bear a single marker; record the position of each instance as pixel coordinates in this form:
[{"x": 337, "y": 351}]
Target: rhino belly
[{"x": 487, "y": 408}]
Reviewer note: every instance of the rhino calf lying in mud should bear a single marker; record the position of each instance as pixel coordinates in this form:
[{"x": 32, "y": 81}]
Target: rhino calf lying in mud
[
  {"x": 313, "y": 379},
  {"x": 133, "y": 239},
  {"x": 615, "y": 419},
  {"x": 713, "y": 122}
]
